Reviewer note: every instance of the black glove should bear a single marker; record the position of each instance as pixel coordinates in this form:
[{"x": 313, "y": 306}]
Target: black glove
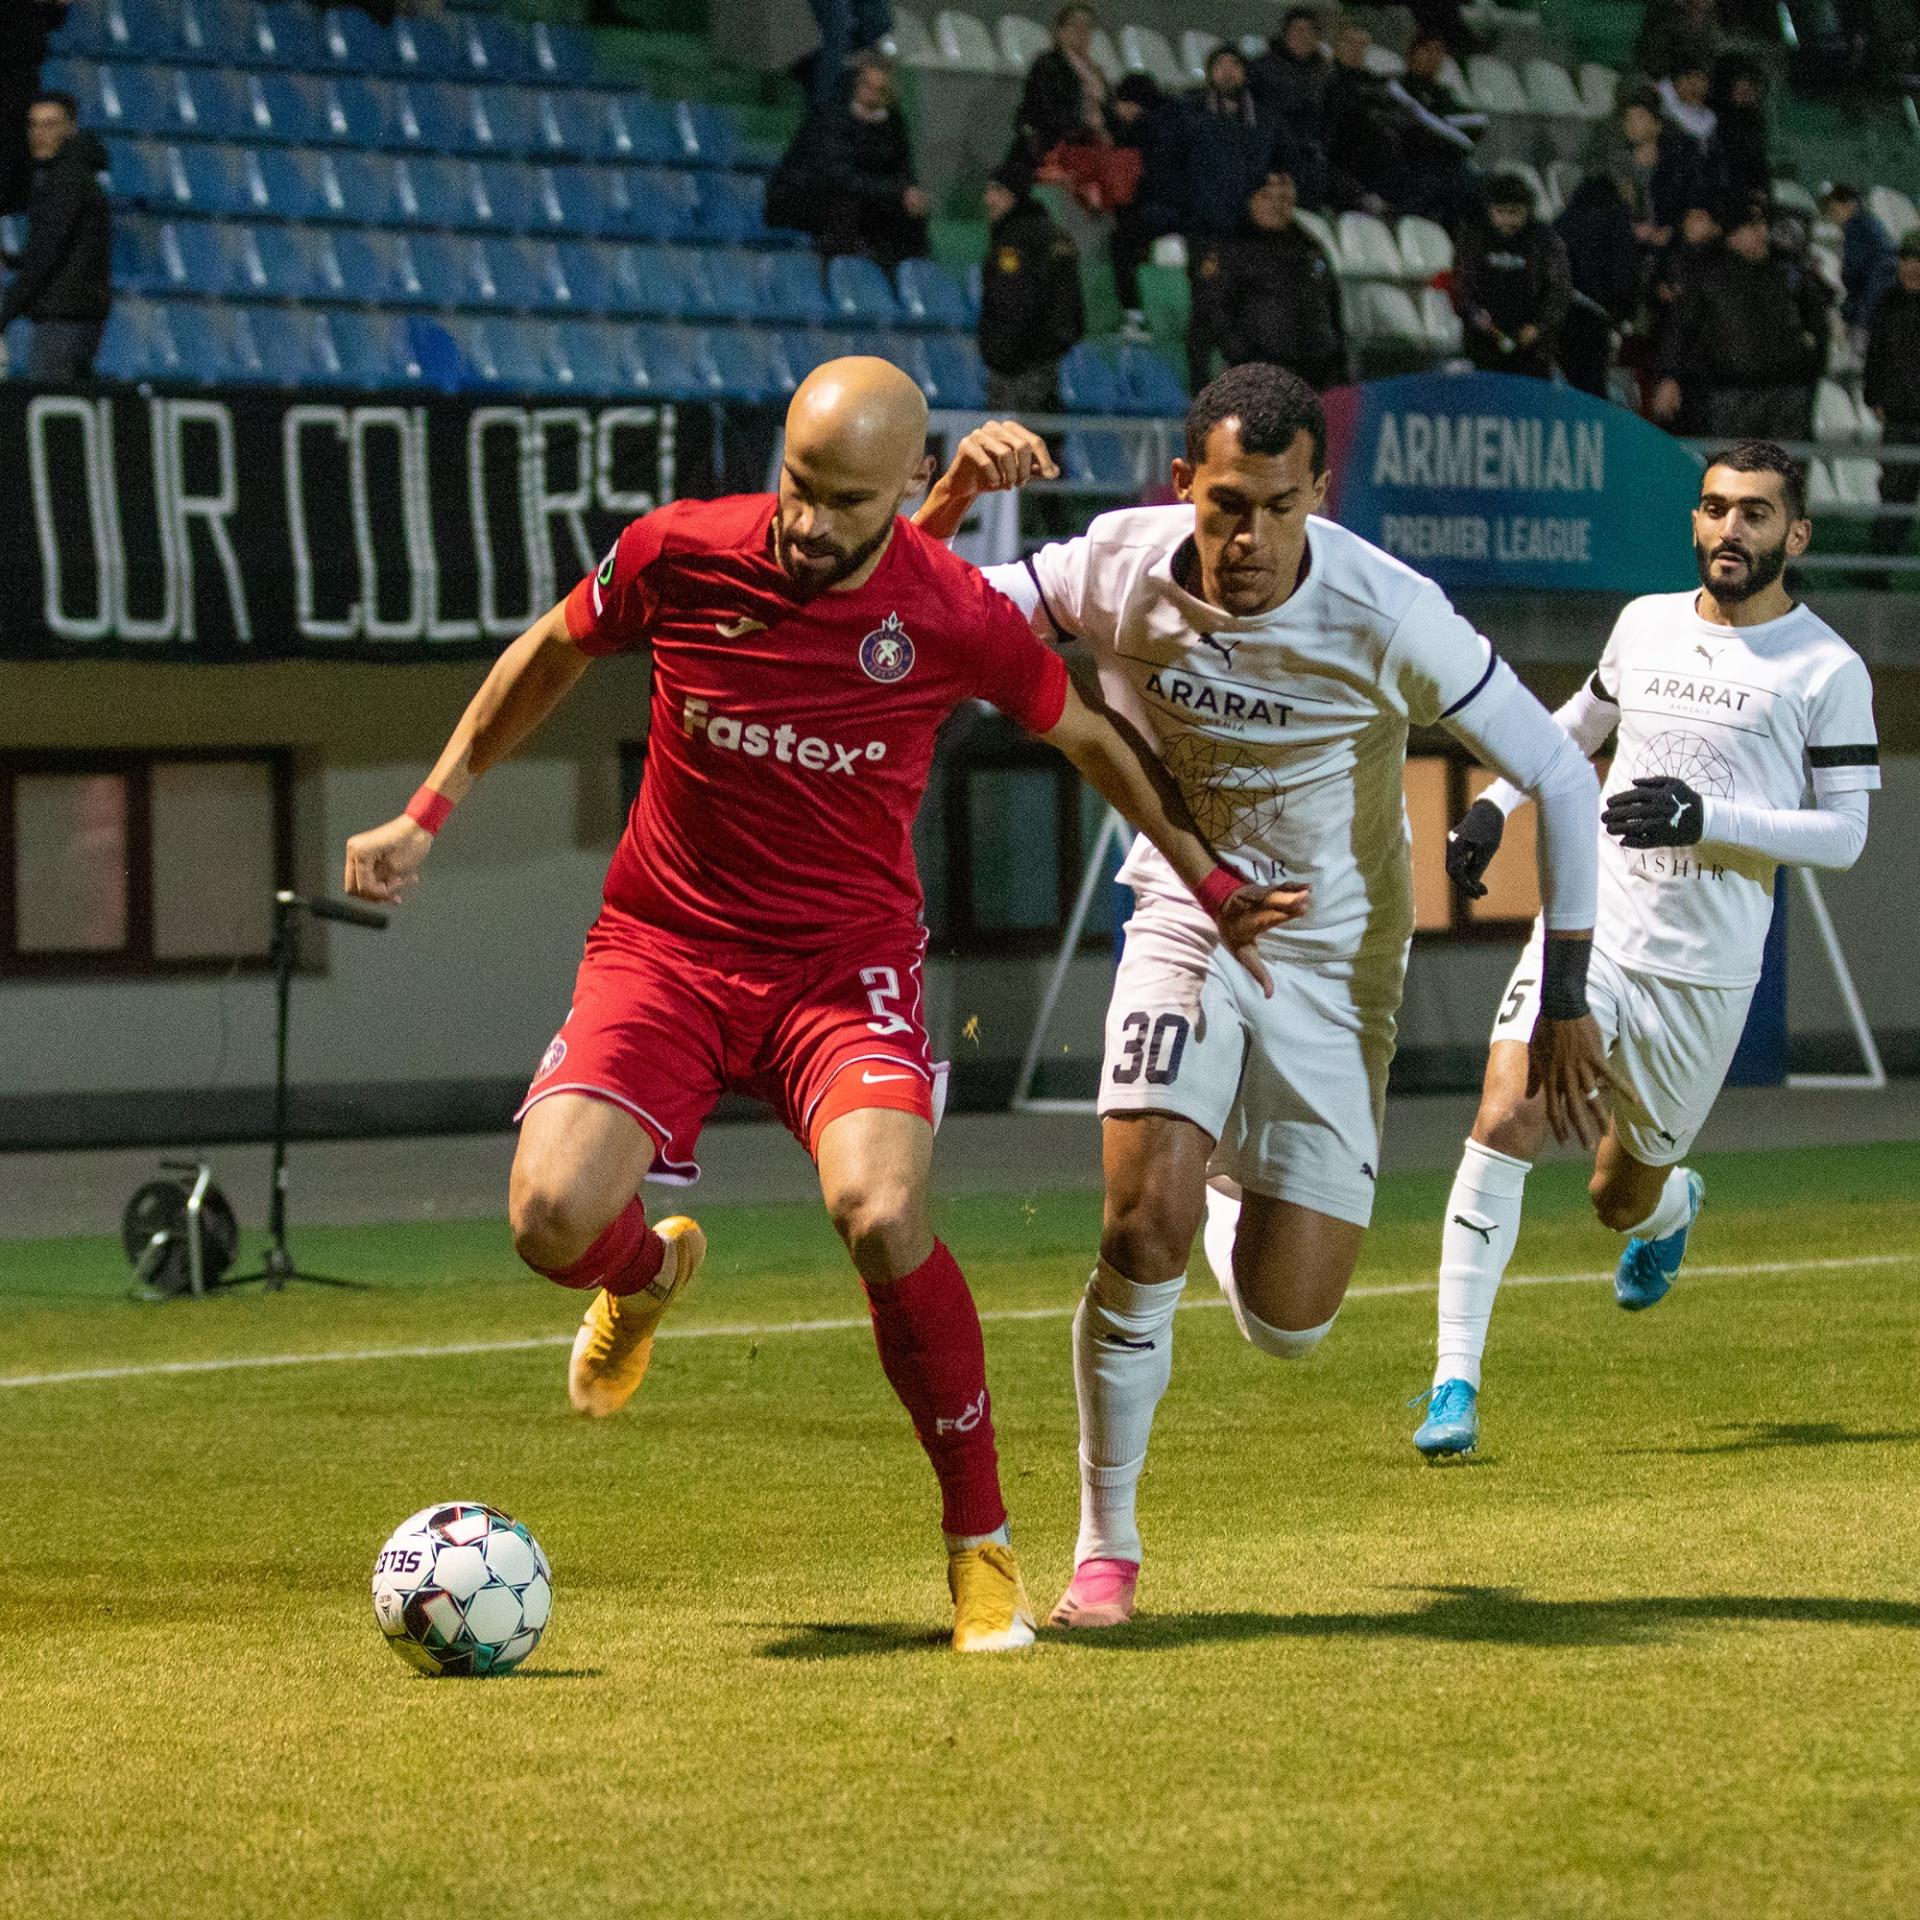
[
  {"x": 1661, "y": 812},
  {"x": 1471, "y": 847}
]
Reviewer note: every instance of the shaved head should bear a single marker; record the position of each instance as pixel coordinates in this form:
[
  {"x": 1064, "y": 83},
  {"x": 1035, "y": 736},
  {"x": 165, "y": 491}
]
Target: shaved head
[{"x": 856, "y": 447}]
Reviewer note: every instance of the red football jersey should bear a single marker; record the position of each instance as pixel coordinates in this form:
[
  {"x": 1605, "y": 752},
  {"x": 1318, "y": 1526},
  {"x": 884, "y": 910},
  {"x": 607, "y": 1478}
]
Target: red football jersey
[{"x": 791, "y": 739}]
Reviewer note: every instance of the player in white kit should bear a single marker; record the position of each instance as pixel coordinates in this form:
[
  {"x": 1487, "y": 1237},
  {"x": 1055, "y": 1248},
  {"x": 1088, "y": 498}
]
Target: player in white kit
[
  {"x": 1275, "y": 661},
  {"x": 1729, "y": 701}
]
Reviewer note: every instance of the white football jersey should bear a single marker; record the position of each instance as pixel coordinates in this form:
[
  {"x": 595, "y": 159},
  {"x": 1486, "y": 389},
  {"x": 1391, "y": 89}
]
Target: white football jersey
[
  {"x": 1744, "y": 714},
  {"x": 1285, "y": 731}
]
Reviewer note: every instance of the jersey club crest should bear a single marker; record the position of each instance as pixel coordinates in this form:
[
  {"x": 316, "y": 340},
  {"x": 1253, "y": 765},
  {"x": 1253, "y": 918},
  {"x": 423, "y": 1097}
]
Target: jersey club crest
[{"x": 886, "y": 654}]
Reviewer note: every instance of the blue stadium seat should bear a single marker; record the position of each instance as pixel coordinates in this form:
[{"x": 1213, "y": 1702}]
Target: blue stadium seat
[
  {"x": 504, "y": 120},
  {"x": 708, "y": 136},
  {"x": 224, "y": 180},
  {"x": 354, "y": 42},
  {"x": 748, "y": 364},
  {"x": 587, "y": 272},
  {"x": 592, "y": 124},
  {"x": 804, "y": 348},
  {"x": 236, "y": 343},
  {"x": 200, "y": 347},
  {"x": 439, "y": 119},
  {"x": 139, "y": 173},
  {"x": 1089, "y": 383},
  {"x": 861, "y": 293},
  {"x": 1148, "y": 384},
  {"x": 732, "y": 283},
  {"x": 1098, "y": 457},
  {"x": 729, "y": 207},
  {"x": 560, "y": 56},
  {"x": 434, "y": 193},
  {"x": 298, "y": 350},
  {"x": 363, "y": 113},
  {"x": 509, "y": 273},
  {"x": 790, "y": 289},
  {"x": 506, "y": 196},
  {"x": 141, "y": 29},
  {"x": 648, "y": 203},
  {"x": 646, "y": 131},
  {"x": 133, "y": 99},
  {"x": 931, "y": 297},
  {"x": 377, "y": 266},
  {"x": 578, "y": 200},
  {"x": 429, "y": 269},
  {"x": 294, "y": 263},
  {"x": 548, "y": 128},
  {"x": 216, "y": 32},
  {"x": 131, "y": 348},
  {"x": 954, "y": 374},
  {"x": 650, "y": 280},
  {"x": 203, "y": 258},
  {"x": 517, "y": 356},
  {"x": 430, "y": 355},
  {"x": 139, "y": 263},
  {"x": 500, "y": 49},
  {"x": 303, "y": 184},
  {"x": 593, "y": 354},
  {"x": 431, "y": 47},
  {"x": 290, "y": 108},
  {"x": 78, "y": 75},
  {"x": 287, "y": 36},
  {"x": 220, "y": 104},
  {"x": 83, "y": 36},
  {"x": 671, "y": 361}
]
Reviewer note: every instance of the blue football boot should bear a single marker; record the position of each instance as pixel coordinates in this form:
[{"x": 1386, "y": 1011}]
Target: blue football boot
[
  {"x": 1452, "y": 1424},
  {"x": 1649, "y": 1267}
]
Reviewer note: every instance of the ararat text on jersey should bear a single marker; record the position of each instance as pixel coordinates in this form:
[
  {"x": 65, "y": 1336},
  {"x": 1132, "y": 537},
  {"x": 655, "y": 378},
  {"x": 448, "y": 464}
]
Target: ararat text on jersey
[
  {"x": 1473, "y": 536},
  {"x": 1218, "y": 703},
  {"x": 1697, "y": 693}
]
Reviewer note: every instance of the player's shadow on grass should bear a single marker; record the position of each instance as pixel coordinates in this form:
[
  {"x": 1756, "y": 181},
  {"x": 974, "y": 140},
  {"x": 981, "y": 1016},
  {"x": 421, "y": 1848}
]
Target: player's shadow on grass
[
  {"x": 1499, "y": 1616},
  {"x": 1762, "y": 1436}
]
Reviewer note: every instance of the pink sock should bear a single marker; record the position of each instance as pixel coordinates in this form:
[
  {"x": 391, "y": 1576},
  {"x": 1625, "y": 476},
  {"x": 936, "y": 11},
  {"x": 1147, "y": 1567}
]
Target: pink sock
[
  {"x": 931, "y": 1351},
  {"x": 625, "y": 1259}
]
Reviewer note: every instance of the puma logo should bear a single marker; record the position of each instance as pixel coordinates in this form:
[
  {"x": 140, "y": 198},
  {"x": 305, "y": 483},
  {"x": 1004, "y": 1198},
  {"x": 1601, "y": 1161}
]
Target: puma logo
[
  {"x": 1679, "y": 813},
  {"x": 1474, "y": 1226},
  {"x": 735, "y": 629},
  {"x": 1708, "y": 654}
]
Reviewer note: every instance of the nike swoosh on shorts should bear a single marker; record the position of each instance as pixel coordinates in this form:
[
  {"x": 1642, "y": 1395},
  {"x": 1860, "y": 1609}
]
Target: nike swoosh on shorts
[{"x": 874, "y": 1079}]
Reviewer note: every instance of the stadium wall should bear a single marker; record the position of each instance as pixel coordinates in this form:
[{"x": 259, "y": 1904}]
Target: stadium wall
[{"x": 436, "y": 1023}]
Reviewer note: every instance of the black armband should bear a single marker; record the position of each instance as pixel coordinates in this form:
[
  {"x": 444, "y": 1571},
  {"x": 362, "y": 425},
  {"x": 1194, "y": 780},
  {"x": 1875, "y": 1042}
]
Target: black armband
[{"x": 1563, "y": 978}]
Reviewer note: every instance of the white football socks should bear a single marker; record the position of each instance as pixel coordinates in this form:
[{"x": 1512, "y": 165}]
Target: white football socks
[
  {"x": 1483, "y": 1222},
  {"x": 1670, "y": 1211},
  {"x": 1122, "y": 1360}
]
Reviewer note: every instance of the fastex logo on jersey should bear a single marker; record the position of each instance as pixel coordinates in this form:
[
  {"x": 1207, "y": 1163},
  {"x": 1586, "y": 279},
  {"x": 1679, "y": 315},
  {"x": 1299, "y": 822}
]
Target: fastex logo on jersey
[
  {"x": 604, "y": 579},
  {"x": 780, "y": 740},
  {"x": 886, "y": 654}
]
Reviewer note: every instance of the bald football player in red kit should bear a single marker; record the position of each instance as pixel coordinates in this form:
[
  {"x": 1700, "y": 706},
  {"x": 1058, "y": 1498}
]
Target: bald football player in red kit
[{"x": 761, "y": 927}]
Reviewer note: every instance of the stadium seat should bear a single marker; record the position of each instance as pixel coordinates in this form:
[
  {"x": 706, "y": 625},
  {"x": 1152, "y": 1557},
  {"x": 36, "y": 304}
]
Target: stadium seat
[
  {"x": 954, "y": 376},
  {"x": 505, "y": 120},
  {"x": 1496, "y": 87},
  {"x": 1835, "y": 418},
  {"x": 707, "y": 134},
  {"x": 791, "y": 290},
  {"x": 140, "y": 30},
  {"x": 1106, "y": 56},
  {"x": 1599, "y": 86},
  {"x": 653, "y": 203},
  {"x": 728, "y": 285},
  {"x": 139, "y": 261},
  {"x": 139, "y": 173},
  {"x": 288, "y": 36},
  {"x": 1821, "y": 491},
  {"x": 1384, "y": 62},
  {"x": 292, "y": 108},
  {"x": 431, "y": 119},
  {"x": 1367, "y": 249},
  {"x": 1893, "y": 210},
  {"x": 297, "y": 349},
  {"x": 82, "y": 36},
  {"x": 1196, "y": 46},
  {"x": 559, "y": 56},
  {"x": 583, "y": 277},
  {"x": 201, "y": 346},
  {"x": 929, "y": 296},
  {"x": 650, "y": 280},
  {"x": 1439, "y": 322},
  {"x": 142, "y": 101},
  {"x": 1551, "y": 92},
  {"x": 364, "y": 113},
  {"x": 1145, "y": 50},
  {"x": 1563, "y": 180},
  {"x": 517, "y": 356},
  {"x": 363, "y": 187},
  {"x": 220, "y": 180},
  {"x": 910, "y": 42},
  {"x": 203, "y": 256},
  {"x": 217, "y": 32},
  {"x": 510, "y": 273},
  {"x": 1387, "y": 314},
  {"x": 138, "y": 344},
  {"x": 860, "y": 292},
  {"x": 730, "y": 208},
  {"x": 1099, "y": 457},
  {"x": 434, "y": 193},
  {"x": 643, "y": 130},
  {"x": 669, "y": 361},
  {"x": 1425, "y": 246},
  {"x": 293, "y": 263},
  {"x": 1858, "y": 482},
  {"x": 354, "y": 42},
  {"x": 586, "y": 356},
  {"x": 1795, "y": 198},
  {"x": 378, "y": 266},
  {"x": 1321, "y": 228},
  {"x": 1022, "y": 41},
  {"x": 500, "y": 49},
  {"x": 432, "y": 47},
  {"x": 748, "y": 364},
  {"x": 505, "y": 196},
  {"x": 1089, "y": 382},
  {"x": 1148, "y": 384},
  {"x": 964, "y": 44}
]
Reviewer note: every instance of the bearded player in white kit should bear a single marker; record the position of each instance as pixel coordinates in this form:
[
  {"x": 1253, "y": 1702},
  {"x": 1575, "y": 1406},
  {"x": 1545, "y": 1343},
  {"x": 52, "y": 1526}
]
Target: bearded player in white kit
[
  {"x": 1729, "y": 702},
  {"x": 1275, "y": 661}
]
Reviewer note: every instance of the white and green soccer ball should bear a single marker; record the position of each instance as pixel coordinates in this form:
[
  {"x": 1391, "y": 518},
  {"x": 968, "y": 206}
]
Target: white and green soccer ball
[{"x": 462, "y": 1588}]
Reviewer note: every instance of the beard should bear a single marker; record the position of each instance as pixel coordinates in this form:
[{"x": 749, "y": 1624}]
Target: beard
[
  {"x": 821, "y": 571},
  {"x": 1763, "y": 568}
]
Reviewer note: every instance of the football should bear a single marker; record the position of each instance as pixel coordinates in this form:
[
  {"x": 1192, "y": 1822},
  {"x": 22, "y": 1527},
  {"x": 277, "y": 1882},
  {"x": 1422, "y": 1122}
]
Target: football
[{"x": 462, "y": 1588}]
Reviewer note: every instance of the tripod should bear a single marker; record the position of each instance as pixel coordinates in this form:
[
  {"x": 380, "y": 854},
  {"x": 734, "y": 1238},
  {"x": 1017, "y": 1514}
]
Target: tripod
[{"x": 280, "y": 1268}]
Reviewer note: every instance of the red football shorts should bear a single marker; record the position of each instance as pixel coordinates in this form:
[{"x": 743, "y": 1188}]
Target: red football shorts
[{"x": 662, "y": 1026}]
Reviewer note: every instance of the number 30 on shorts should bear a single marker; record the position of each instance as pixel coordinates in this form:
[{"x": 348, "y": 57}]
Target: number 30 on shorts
[
  {"x": 883, "y": 995},
  {"x": 1151, "y": 1047}
]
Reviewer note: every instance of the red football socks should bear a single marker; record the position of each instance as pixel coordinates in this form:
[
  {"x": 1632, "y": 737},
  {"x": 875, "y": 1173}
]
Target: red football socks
[
  {"x": 625, "y": 1259},
  {"x": 931, "y": 1351}
]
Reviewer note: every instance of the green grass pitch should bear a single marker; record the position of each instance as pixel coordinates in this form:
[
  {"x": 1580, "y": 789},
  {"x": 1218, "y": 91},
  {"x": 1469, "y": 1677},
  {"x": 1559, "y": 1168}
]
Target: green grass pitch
[{"x": 1656, "y": 1653}]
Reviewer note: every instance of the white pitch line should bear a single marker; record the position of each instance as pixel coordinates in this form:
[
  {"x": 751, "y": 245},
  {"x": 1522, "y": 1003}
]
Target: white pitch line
[{"x": 245, "y": 1363}]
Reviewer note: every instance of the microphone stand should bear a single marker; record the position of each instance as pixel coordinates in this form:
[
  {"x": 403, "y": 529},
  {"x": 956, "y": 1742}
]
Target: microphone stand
[{"x": 280, "y": 1267}]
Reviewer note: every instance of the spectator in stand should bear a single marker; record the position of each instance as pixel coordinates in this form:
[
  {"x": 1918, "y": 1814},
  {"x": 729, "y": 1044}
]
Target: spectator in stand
[
  {"x": 1696, "y": 241},
  {"x": 1511, "y": 284},
  {"x": 1673, "y": 32},
  {"x": 1890, "y": 385},
  {"x": 1607, "y": 265},
  {"x": 1364, "y": 123},
  {"x": 1139, "y": 114},
  {"x": 1066, "y": 98},
  {"x": 1751, "y": 333},
  {"x": 1218, "y": 150},
  {"x": 1665, "y": 169},
  {"x": 1291, "y": 78},
  {"x": 848, "y": 177},
  {"x": 1030, "y": 303},
  {"x": 1683, "y": 99},
  {"x": 1866, "y": 254},
  {"x": 1741, "y": 160},
  {"x": 63, "y": 278},
  {"x": 1279, "y": 294},
  {"x": 1438, "y": 138},
  {"x": 25, "y": 27}
]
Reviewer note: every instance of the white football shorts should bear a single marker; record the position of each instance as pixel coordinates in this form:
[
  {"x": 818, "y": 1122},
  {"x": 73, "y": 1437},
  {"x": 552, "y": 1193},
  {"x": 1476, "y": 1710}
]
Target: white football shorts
[
  {"x": 1669, "y": 1044},
  {"x": 1292, "y": 1089}
]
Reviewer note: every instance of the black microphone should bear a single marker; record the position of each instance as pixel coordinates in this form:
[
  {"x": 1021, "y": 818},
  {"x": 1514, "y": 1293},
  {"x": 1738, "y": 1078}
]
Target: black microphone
[{"x": 349, "y": 911}]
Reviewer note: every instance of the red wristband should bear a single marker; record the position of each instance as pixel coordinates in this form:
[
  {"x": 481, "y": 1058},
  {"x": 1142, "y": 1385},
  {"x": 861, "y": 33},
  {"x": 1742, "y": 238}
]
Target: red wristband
[
  {"x": 1217, "y": 889},
  {"x": 429, "y": 808}
]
